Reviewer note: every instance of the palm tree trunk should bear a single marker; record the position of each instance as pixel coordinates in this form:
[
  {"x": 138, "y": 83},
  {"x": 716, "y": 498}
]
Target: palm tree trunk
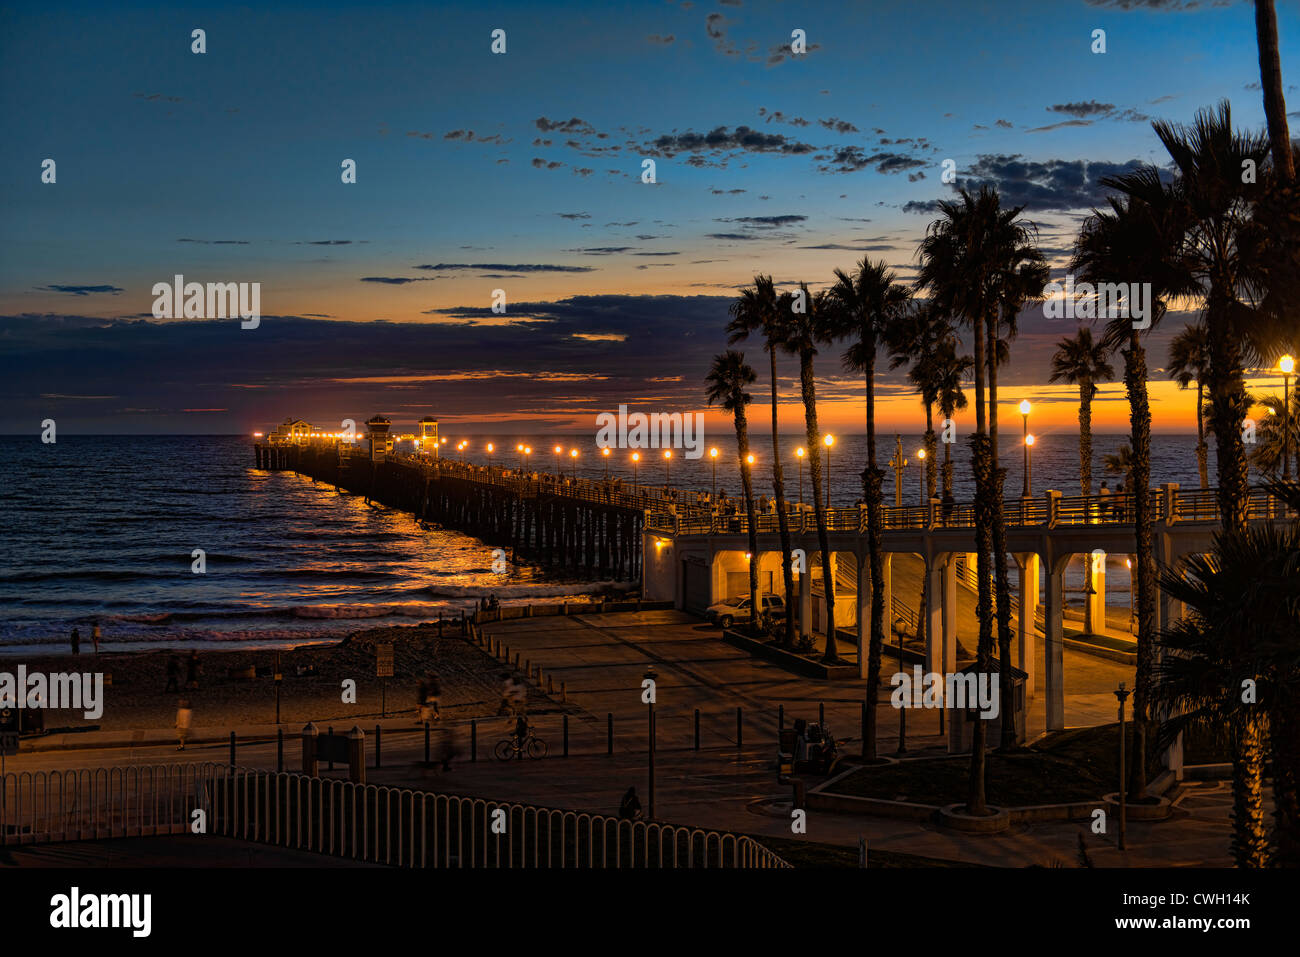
[
  {"x": 1228, "y": 406},
  {"x": 975, "y": 800},
  {"x": 931, "y": 459},
  {"x": 1135, "y": 382},
  {"x": 999, "y": 543},
  {"x": 1085, "y": 438},
  {"x": 747, "y": 482},
  {"x": 1202, "y": 451},
  {"x": 1270, "y": 77},
  {"x": 809, "y": 390},
  {"x": 947, "y": 461},
  {"x": 782, "y": 520},
  {"x": 873, "y": 495},
  {"x": 1284, "y": 740},
  {"x": 1249, "y": 835}
]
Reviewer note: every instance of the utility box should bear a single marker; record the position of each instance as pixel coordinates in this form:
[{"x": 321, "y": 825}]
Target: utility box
[{"x": 961, "y": 720}]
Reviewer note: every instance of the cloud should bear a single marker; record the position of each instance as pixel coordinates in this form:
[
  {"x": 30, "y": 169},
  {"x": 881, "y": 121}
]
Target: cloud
[
  {"x": 1003, "y": 124},
  {"x": 602, "y": 250},
  {"x": 726, "y": 192},
  {"x": 661, "y": 40},
  {"x": 571, "y": 125},
  {"x": 500, "y": 267},
  {"x": 1057, "y": 126},
  {"x": 721, "y": 140},
  {"x": 850, "y": 159},
  {"x": 469, "y": 137},
  {"x": 396, "y": 280},
  {"x": 838, "y": 125},
  {"x": 1159, "y": 5},
  {"x": 766, "y": 222},
  {"x": 1082, "y": 109},
  {"x": 733, "y": 236},
  {"x": 159, "y": 98},
  {"x": 1048, "y": 185},
  {"x": 81, "y": 290},
  {"x": 543, "y": 164},
  {"x": 216, "y": 242},
  {"x": 784, "y": 51},
  {"x": 582, "y": 216}
]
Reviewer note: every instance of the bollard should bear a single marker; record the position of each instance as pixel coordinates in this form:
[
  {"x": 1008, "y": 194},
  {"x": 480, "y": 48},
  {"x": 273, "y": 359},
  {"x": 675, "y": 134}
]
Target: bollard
[
  {"x": 821, "y": 713},
  {"x": 566, "y": 735},
  {"x": 800, "y": 793},
  {"x": 740, "y": 721},
  {"x": 516, "y": 661},
  {"x": 609, "y": 732},
  {"x": 697, "y": 729},
  {"x": 550, "y": 684},
  {"x": 310, "y": 758},
  {"x": 232, "y": 749},
  {"x": 473, "y": 739},
  {"x": 426, "y": 742},
  {"x": 357, "y": 755},
  {"x": 378, "y": 743},
  {"x": 528, "y": 668},
  {"x": 564, "y": 697},
  {"x": 330, "y": 759},
  {"x": 279, "y": 750}
]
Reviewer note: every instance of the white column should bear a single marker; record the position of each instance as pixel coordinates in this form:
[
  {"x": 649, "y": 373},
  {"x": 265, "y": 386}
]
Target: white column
[
  {"x": 1054, "y": 647},
  {"x": 1029, "y": 576},
  {"x": 1094, "y": 608},
  {"x": 933, "y": 612}
]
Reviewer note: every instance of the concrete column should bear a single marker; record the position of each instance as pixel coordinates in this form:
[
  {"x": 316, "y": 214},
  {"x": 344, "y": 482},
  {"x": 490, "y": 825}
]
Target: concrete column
[
  {"x": 887, "y": 577},
  {"x": 1029, "y": 579},
  {"x": 949, "y": 614},
  {"x": 864, "y": 612},
  {"x": 1054, "y": 646},
  {"x": 934, "y": 614},
  {"x": 1094, "y": 607},
  {"x": 805, "y": 600}
]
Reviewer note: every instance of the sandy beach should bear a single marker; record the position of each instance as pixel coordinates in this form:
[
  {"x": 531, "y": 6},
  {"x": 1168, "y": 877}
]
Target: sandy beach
[{"x": 136, "y": 699}]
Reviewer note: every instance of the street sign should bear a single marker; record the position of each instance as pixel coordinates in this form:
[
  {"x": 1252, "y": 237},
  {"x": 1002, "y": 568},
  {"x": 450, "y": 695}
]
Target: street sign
[{"x": 383, "y": 661}]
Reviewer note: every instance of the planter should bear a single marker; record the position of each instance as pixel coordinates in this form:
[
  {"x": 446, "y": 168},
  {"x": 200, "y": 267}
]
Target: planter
[
  {"x": 797, "y": 664},
  {"x": 955, "y": 817},
  {"x": 1139, "y": 812}
]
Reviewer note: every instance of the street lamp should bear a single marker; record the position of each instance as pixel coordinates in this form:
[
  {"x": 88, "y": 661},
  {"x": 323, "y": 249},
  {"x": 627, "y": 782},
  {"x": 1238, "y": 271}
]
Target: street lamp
[
  {"x": 1128, "y": 562},
  {"x": 920, "y": 462},
  {"x": 829, "y": 440},
  {"x": 799, "y": 453},
  {"x": 1029, "y": 464},
  {"x": 558, "y": 452},
  {"x": 636, "y": 457},
  {"x": 489, "y": 451},
  {"x": 899, "y": 625},
  {"x": 573, "y": 454},
  {"x": 713, "y": 454},
  {"x": 651, "y": 677},
  {"x": 605, "y": 452},
  {"x": 1287, "y": 365},
  {"x": 520, "y": 449},
  {"x": 668, "y": 470},
  {"x": 1024, "y": 415}
]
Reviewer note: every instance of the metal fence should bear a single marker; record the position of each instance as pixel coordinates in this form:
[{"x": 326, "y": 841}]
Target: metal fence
[{"x": 369, "y": 823}]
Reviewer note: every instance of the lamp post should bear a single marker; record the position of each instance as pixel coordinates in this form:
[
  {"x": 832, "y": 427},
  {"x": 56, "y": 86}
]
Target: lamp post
[
  {"x": 829, "y": 440},
  {"x": 1024, "y": 415},
  {"x": 668, "y": 467},
  {"x": 799, "y": 453},
  {"x": 527, "y": 452},
  {"x": 650, "y": 676},
  {"x": 899, "y": 625},
  {"x": 573, "y": 454},
  {"x": 605, "y": 454},
  {"x": 1287, "y": 365},
  {"x": 636, "y": 458},
  {"x": 713, "y": 454},
  {"x": 1029, "y": 464},
  {"x": 1128, "y": 562},
  {"x": 1121, "y": 694},
  {"x": 489, "y": 451},
  {"x": 559, "y": 450},
  {"x": 520, "y": 449},
  {"x": 920, "y": 470}
]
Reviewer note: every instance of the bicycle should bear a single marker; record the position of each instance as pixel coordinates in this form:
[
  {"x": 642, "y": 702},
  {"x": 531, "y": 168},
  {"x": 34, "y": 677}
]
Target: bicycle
[{"x": 511, "y": 747}]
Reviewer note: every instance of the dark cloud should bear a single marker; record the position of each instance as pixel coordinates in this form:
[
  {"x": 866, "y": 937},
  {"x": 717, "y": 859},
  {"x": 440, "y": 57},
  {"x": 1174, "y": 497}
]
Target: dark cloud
[
  {"x": 1082, "y": 109},
  {"x": 81, "y": 290},
  {"x": 733, "y": 236},
  {"x": 543, "y": 164},
  {"x": 469, "y": 137},
  {"x": 580, "y": 216},
  {"x": 766, "y": 222},
  {"x": 850, "y": 159},
  {"x": 1048, "y": 185},
  {"x": 216, "y": 242},
  {"x": 662, "y": 40},
  {"x": 500, "y": 267},
  {"x": 396, "y": 280},
  {"x": 1162, "y": 5},
  {"x": 1057, "y": 126},
  {"x": 722, "y": 140},
  {"x": 159, "y": 98},
  {"x": 602, "y": 250},
  {"x": 572, "y": 125},
  {"x": 726, "y": 192},
  {"x": 838, "y": 125},
  {"x": 1003, "y": 124}
]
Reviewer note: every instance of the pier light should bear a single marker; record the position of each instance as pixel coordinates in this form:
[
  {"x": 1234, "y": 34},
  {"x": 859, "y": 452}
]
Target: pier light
[
  {"x": 636, "y": 456},
  {"x": 668, "y": 467},
  {"x": 605, "y": 451},
  {"x": 257, "y": 435},
  {"x": 1029, "y": 440},
  {"x": 1025, "y": 407},
  {"x": 528, "y": 450},
  {"x": 1287, "y": 365},
  {"x": 558, "y": 450},
  {"x": 605, "y": 454},
  {"x": 490, "y": 447},
  {"x": 749, "y": 459},
  {"x": 636, "y": 459},
  {"x": 799, "y": 453},
  {"x": 713, "y": 453},
  {"x": 829, "y": 440},
  {"x": 573, "y": 454}
]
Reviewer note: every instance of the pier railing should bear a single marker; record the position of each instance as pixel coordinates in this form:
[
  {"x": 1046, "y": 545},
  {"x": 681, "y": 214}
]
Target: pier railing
[{"x": 363, "y": 822}]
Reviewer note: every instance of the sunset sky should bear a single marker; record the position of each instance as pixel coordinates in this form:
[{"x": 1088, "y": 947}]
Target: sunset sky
[{"x": 522, "y": 172}]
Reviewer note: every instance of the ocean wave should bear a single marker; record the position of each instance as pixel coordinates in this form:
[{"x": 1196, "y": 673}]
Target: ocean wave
[{"x": 527, "y": 591}]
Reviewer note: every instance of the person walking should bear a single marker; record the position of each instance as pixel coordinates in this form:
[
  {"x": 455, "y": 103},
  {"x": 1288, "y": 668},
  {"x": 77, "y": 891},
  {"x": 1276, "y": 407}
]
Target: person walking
[
  {"x": 433, "y": 694},
  {"x": 192, "y": 672},
  {"x": 629, "y": 809},
  {"x": 76, "y": 642},
  {"x": 94, "y": 636},
  {"x": 184, "y": 715},
  {"x": 173, "y": 674}
]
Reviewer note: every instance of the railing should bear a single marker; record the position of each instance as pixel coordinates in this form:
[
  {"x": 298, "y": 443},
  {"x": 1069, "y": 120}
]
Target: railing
[{"x": 364, "y": 822}]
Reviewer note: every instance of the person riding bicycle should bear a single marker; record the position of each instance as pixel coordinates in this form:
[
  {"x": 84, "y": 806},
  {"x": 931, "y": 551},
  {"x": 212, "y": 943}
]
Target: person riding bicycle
[{"x": 521, "y": 731}]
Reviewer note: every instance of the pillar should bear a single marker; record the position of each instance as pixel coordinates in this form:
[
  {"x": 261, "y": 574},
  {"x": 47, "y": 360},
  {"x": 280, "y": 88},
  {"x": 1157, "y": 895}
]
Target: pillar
[
  {"x": 1054, "y": 646},
  {"x": 1029, "y": 578},
  {"x": 949, "y": 615},
  {"x": 1094, "y": 608},
  {"x": 864, "y": 612},
  {"x": 805, "y": 599},
  {"x": 935, "y": 649}
]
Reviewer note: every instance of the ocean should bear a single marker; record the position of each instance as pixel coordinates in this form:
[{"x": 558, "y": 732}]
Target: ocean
[{"x": 103, "y": 528}]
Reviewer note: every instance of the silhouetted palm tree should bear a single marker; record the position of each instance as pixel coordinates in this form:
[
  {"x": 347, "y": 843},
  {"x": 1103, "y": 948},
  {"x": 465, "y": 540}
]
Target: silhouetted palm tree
[
  {"x": 1120, "y": 463},
  {"x": 1269, "y": 444},
  {"x": 727, "y": 380},
  {"x": 1189, "y": 361},
  {"x": 864, "y": 305},
  {"x": 1081, "y": 361},
  {"x": 950, "y": 372},
  {"x": 1270, "y": 78},
  {"x": 758, "y": 310},
  {"x": 805, "y": 330},
  {"x": 922, "y": 339}
]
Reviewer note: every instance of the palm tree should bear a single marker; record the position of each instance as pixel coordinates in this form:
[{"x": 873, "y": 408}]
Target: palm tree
[
  {"x": 950, "y": 371},
  {"x": 1223, "y": 256},
  {"x": 1281, "y": 651},
  {"x": 1270, "y": 77},
  {"x": 1189, "y": 361},
  {"x": 1242, "y": 600},
  {"x": 923, "y": 338},
  {"x": 1269, "y": 443},
  {"x": 1081, "y": 361},
  {"x": 805, "y": 330},
  {"x": 1139, "y": 239},
  {"x": 863, "y": 306},
  {"x": 758, "y": 310},
  {"x": 727, "y": 380},
  {"x": 1121, "y": 464},
  {"x": 959, "y": 280}
]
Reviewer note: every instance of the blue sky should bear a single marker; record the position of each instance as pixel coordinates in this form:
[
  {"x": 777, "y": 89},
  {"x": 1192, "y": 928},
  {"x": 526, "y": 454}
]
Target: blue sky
[{"x": 523, "y": 171}]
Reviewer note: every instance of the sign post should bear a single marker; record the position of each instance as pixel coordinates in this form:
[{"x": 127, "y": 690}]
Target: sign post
[{"x": 383, "y": 670}]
